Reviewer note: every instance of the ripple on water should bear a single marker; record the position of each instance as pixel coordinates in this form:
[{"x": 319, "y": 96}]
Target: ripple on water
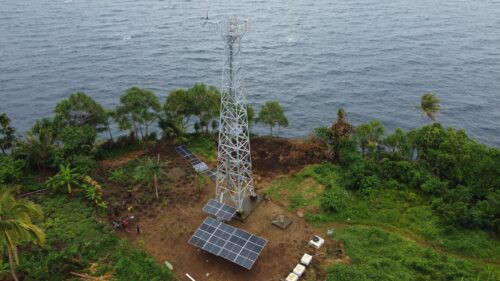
[{"x": 375, "y": 58}]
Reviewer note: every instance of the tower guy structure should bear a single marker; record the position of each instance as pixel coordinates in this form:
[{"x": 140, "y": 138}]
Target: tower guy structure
[{"x": 234, "y": 182}]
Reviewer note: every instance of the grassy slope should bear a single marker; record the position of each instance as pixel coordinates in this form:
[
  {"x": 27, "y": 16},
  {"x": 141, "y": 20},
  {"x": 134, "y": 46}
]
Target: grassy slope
[
  {"x": 403, "y": 218},
  {"x": 77, "y": 242}
]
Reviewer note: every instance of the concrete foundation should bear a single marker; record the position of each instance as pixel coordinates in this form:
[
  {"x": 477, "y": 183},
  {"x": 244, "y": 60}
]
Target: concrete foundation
[{"x": 249, "y": 204}]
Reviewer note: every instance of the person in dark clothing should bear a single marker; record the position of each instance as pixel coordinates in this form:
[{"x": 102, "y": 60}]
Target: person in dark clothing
[{"x": 137, "y": 229}]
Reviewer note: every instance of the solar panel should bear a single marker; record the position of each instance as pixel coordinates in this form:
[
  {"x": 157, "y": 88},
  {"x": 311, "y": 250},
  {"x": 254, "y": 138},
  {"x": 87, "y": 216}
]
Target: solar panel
[
  {"x": 200, "y": 167},
  {"x": 220, "y": 210},
  {"x": 231, "y": 243},
  {"x": 183, "y": 151},
  {"x": 212, "y": 173}
]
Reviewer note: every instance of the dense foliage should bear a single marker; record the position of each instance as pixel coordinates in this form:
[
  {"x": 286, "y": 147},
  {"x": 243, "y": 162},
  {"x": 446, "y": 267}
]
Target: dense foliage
[{"x": 442, "y": 163}]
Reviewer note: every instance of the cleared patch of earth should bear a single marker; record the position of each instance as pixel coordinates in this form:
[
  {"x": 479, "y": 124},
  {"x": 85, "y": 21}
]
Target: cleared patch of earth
[{"x": 167, "y": 223}]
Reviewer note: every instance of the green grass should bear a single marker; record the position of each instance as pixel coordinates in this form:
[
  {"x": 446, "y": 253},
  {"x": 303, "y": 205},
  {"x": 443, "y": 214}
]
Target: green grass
[
  {"x": 402, "y": 212},
  {"x": 203, "y": 145},
  {"x": 380, "y": 255},
  {"x": 302, "y": 190}
]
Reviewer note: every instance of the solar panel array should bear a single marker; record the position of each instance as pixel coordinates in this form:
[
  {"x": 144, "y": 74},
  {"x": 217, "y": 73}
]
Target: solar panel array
[
  {"x": 228, "y": 242},
  {"x": 220, "y": 210},
  {"x": 197, "y": 164}
]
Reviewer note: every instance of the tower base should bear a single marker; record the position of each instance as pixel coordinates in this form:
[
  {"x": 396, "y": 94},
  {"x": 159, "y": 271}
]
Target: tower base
[{"x": 249, "y": 204}]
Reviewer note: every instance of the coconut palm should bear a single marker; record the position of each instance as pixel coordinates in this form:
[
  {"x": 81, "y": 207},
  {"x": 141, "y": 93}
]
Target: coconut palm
[
  {"x": 16, "y": 226},
  {"x": 429, "y": 105}
]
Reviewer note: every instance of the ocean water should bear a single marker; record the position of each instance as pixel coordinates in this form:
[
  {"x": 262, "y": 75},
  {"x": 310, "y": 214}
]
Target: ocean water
[{"x": 374, "y": 58}]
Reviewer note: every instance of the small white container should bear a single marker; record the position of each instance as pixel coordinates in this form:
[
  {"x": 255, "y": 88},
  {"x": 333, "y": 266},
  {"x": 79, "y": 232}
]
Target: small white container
[
  {"x": 299, "y": 269},
  {"x": 317, "y": 242},
  {"x": 292, "y": 277},
  {"x": 306, "y": 259}
]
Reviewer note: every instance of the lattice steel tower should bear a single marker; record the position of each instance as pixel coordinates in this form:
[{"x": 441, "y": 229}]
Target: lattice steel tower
[{"x": 234, "y": 160}]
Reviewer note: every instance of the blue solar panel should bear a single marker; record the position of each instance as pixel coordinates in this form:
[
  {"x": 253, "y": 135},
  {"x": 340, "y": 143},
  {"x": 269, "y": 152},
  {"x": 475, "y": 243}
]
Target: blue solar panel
[
  {"x": 220, "y": 210},
  {"x": 228, "y": 242}
]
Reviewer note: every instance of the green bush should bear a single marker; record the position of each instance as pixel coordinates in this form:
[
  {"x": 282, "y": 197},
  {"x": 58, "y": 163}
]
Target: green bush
[
  {"x": 118, "y": 176},
  {"x": 78, "y": 140},
  {"x": 84, "y": 164},
  {"x": 11, "y": 170},
  {"x": 333, "y": 200},
  {"x": 134, "y": 264}
]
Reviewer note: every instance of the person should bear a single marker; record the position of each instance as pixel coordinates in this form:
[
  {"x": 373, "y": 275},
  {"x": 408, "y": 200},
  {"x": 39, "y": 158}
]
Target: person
[
  {"x": 137, "y": 229},
  {"x": 125, "y": 225}
]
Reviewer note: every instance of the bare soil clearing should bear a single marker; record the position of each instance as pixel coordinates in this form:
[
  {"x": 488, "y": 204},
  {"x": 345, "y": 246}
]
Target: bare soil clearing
[
  {"x": 168, "y": 223},
  {"x": 278, "y": 156}
]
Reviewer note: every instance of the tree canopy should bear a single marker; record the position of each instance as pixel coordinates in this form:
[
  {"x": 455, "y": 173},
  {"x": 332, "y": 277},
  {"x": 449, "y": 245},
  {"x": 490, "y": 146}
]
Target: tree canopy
[
  {"x": 80, "y": 109},
  {"x": 200, "y": 100},
  {"x": 273, "y": 115},
  {"x": 137, "y": 110}
]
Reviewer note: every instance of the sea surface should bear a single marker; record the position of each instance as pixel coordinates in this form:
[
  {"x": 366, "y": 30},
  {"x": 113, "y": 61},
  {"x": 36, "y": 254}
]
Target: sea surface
[{"x": 374, "y": 58}]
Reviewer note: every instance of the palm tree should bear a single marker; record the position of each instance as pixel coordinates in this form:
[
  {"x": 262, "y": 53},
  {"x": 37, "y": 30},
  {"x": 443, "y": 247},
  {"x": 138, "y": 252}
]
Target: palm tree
[
  {"x": 67, "y": 177},
  {"x": 16, "y": 226},
  {"x": 429, "y": 105}
]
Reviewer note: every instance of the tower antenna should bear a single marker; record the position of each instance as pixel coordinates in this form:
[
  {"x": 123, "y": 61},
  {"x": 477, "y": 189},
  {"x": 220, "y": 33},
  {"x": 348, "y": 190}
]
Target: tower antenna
[{"x": 234, "y": 182}]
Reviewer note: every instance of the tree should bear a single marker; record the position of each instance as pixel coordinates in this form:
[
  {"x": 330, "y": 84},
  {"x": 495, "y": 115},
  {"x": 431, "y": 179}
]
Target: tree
[
  {"x": 66, "y": 177},
  {"x": 16, "y": 226},
  {"x": 205, "y": 102},
  {"x": 369, "y": 135},
  {"x": 79, "y": 110},
  {"x": 78, "y": 140},
  {"x": 110, "y": 116},
  {"x": 172, "y": 127},
  {"x": 341, "y": 130},
  {"x": 250, "y": 115},
  {"x": 399, "y": 143},
  {"x": 272, "y": 114},
  {"x": 150, "y": 171},
  {"x": 179, "y": 104},
  {"x": 429, "y": 105},
  {"x": 138, "y": 108},
  {"x": 38, "y": 148},
  {"x": 7, "y": 134}
]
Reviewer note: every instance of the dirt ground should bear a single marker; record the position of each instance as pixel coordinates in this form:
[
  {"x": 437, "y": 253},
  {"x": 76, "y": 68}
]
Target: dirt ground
[
  {"x": 168, "y": 223},
  {"x": 276, "y": 156}
]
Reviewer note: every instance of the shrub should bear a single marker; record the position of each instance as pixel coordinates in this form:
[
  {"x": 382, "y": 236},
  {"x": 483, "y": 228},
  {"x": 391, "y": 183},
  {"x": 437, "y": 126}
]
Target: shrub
[
  {"x": 83, "y": 164},
  {"x": 118, "y": 176},
  {"x": 333, "y": 200},
  {"x": 11, "y": 170}
]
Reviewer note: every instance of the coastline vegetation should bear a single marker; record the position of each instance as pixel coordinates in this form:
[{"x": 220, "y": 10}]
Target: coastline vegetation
[{"x": 416, "y": 205}]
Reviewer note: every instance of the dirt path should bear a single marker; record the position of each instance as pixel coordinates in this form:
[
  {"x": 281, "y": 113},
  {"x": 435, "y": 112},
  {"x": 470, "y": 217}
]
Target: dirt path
[{"x": 411, "y": 236}]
